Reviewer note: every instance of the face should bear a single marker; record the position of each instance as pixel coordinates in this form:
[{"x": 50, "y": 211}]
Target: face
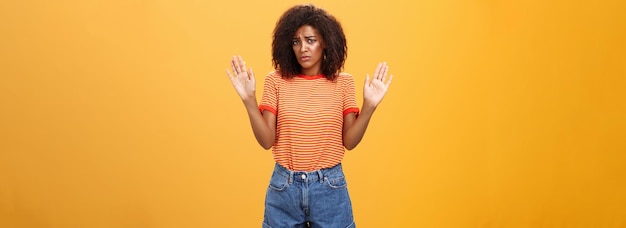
[{"x": 308, "y": 46}]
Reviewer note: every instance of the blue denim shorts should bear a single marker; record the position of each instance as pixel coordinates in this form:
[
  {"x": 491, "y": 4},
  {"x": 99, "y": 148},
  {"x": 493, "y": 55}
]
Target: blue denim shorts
[{"x": 308, "y": 199}]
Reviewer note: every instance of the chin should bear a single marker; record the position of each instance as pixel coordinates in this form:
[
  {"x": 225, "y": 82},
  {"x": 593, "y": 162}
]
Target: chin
[{"x": 305, "y": 66}]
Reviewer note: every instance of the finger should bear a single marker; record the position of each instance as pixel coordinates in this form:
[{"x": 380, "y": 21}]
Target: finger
[
  {"x": 235, "y": 73},
  {"x": 389, "y": 82},
  {"x": 229, "y": 75},
  {"x": 237, "y": 65},
  {"x": 233, "y": 64},
  {"x": 251, "y": 75},
  {"x": 242, "y": 64},
  {"x": 367, "y": 80},
  {"x": 377, "y": 71},
  {"x": 383, "y": 75},
  {"x": 381, "y": 68}
]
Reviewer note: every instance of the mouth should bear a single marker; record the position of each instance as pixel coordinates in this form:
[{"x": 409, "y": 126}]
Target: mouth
[{"x": 305, "y": 58}]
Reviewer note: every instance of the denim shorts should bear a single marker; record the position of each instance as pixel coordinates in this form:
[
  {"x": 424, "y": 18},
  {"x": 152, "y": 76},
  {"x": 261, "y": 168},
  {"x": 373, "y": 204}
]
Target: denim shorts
[{"x": 308, "y": 199}]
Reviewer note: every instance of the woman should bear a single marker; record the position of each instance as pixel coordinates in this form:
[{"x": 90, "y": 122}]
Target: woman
[{"x": 308, "y": 116}]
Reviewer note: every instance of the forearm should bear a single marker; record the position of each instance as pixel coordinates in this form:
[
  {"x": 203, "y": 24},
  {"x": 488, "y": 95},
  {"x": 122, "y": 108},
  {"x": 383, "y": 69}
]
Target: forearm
[
  {"x": 262, "y": 130},
  {"x": 354, "y": 133}
]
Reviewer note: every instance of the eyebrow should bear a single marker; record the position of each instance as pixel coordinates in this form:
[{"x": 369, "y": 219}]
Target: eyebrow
[{"x": 306, "y": 37}]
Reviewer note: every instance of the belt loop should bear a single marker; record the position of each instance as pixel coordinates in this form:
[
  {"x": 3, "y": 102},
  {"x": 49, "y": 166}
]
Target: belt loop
[
  {"x": 290, "y": 177},
  {"x": 320, "y": 175}
]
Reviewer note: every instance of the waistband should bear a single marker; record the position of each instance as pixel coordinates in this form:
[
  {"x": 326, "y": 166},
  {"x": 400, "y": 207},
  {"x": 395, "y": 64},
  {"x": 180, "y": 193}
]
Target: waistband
[{"x": 302, "y": 176}]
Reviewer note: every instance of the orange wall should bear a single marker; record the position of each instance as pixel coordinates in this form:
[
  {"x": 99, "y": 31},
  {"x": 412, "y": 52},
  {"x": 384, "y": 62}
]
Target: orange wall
[{"x": 502, "y": 113}]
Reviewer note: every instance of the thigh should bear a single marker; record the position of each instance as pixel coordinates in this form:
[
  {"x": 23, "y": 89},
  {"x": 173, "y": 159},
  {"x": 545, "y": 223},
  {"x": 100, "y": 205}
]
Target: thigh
[
  {"x": 330, "y": 204},
  {"x": 282, "y": 203}
]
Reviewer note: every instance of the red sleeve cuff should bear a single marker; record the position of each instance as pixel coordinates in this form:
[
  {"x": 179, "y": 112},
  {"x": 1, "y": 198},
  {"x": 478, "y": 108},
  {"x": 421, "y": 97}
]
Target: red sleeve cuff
[
  {"x": 350, "y": 110},
  {"x": 268, "y": 108}
]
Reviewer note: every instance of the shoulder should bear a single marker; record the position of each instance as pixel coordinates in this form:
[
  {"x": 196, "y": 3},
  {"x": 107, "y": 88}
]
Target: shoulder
[
  {"x": 273, "y": 74},
  {"x": 273, "y": 77},
  {"x": 344, "y": 74},
  {"x": 344, "y": 77}
]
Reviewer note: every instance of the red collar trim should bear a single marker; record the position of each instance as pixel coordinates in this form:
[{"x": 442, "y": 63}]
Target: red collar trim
[{"x": 310, "y": 77}]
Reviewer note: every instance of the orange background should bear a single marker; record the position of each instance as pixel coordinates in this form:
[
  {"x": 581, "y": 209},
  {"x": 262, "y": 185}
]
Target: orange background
[{"x": 501, "y": 113}]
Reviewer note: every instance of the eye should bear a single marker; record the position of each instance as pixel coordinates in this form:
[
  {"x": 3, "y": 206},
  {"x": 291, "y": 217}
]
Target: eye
[
  {"x": 295, "y": 42},
  {"x": 311, "y": 41}
]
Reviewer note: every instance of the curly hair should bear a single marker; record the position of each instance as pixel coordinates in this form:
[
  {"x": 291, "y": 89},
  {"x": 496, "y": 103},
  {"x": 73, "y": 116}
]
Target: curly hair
[{"x": 334, "y": 55}]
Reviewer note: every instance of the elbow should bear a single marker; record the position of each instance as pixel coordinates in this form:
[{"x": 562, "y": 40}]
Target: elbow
[
  {"x": 349, "y": 146},
  {"x": 267, "y": 145}
]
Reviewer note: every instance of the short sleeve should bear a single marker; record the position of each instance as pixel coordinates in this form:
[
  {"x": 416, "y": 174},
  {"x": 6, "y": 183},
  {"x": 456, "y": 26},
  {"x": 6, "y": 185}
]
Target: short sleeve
[
  {"x": 269, "y": 99},
  {"x": 349, "y": 95}
]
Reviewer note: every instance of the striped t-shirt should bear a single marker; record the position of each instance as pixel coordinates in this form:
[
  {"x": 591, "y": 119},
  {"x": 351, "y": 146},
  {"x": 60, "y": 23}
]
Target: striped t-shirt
[{"x": 309, "y": 118}]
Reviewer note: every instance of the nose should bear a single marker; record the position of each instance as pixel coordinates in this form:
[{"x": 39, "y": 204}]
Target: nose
[{"x": 303, "y": 46}]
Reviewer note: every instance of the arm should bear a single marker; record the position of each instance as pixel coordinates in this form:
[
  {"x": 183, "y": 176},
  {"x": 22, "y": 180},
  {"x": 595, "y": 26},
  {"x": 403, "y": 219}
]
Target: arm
[
  {"x": 354, "y": 126},
  {"x": 263, "y": 124}
]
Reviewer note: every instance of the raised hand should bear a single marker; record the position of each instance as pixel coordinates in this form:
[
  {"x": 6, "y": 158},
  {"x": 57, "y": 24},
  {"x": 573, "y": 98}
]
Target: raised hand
[
  {"x": 242, "y": 80},
  {"x": 374, "y": 90}
]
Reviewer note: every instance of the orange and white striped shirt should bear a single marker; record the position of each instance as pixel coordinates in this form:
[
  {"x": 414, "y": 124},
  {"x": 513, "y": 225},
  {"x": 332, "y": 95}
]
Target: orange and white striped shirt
[{"x": 309, "y": 117}]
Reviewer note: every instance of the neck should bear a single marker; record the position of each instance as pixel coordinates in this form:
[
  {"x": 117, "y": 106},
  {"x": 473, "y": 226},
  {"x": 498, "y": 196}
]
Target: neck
[{"x": 311, "y": 72}]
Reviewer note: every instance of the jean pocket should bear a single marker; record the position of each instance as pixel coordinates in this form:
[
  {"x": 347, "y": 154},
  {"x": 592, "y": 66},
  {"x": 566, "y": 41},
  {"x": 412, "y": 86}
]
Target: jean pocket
[
  {"x": 336, "y": 181},
  {"x": 278, "y": 182}
]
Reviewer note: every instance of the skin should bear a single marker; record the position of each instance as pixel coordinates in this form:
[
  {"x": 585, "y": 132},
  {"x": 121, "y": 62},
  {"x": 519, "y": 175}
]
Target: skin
[
  {"x": 308, "y": 47},
  {"x": 374, "y": 91}
]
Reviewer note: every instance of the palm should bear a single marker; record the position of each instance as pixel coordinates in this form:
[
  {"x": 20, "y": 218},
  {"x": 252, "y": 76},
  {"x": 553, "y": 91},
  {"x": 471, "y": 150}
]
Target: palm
[
  {"x": 242, "y": 80},
  {"x": 244, "y": 85},
  {"x": 374, "y": 90}
]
